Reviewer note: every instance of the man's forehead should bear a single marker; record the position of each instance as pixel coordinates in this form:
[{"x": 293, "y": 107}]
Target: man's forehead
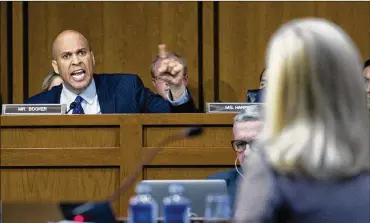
[
  {"x": 70, "y": 42},
  {"x": 245, "y": 125}
]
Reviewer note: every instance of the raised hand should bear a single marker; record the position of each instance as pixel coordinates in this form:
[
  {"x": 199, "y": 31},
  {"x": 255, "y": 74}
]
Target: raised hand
[{"x": 171, "y": 71}]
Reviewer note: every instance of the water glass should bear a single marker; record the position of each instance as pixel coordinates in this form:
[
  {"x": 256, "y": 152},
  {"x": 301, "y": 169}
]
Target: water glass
[{"x": 217, "y": 208}]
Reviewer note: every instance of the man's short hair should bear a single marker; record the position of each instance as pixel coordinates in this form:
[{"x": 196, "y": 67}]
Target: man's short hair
[
  {"x": 367, "y": 63},
  {"x": 252, "y": 112},
  {"x": 178, "y": 57}
]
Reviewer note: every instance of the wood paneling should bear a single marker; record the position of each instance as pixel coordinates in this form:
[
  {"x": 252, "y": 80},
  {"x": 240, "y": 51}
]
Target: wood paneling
[
  {"x": 18, "y": 52},
  {"x": 200, "y": 156},
  {"x": 153, "y": 135},
  {"x": 131, "y": 155},
  {"x": 124, "y": 35},
  {"x": 51, "y": 184},
  {"x": 60, "y": 137},
  {"x": 62, "y": 157},
  {"x": 245, "y": 28},
  {"x": 93, "y": 154},
  {"x": 178, "y": 173},
  {"x": 208, "y": 52},
  {"x": 353, "y": 17},
  {"x": 3, "y": 52},
  {"x": 32, "y": 212},
  {"x": 58, "y": 184}
]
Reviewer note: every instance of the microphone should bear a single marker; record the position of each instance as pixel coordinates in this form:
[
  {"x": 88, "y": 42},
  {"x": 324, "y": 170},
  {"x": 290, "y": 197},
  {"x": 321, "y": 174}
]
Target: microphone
[
  {"x": 71, "y": 106},
  {"x": 189, "y": 132}
]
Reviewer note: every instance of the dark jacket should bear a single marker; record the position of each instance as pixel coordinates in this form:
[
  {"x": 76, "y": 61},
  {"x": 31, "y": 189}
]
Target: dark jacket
[
  {"x": 232, "y": 178},
  {"x": 120, "y": 93}
]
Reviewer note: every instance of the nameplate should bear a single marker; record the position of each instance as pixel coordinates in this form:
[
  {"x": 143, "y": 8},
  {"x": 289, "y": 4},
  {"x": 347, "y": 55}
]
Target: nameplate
[
  {"x": 36, "y": 109},
  {"x": 229, "y": 107}
]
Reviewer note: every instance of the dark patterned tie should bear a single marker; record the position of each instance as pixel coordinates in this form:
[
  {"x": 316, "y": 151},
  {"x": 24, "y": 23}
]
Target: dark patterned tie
[{"x": 78, "y": 108}]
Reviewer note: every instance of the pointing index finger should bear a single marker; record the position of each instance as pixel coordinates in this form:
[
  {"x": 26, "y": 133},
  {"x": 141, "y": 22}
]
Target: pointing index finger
[{"x": 162, "y": 51}]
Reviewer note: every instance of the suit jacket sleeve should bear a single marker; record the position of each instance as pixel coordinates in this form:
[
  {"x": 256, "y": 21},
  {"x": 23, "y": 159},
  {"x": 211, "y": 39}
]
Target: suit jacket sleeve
[{"x": 153, "y": 103}]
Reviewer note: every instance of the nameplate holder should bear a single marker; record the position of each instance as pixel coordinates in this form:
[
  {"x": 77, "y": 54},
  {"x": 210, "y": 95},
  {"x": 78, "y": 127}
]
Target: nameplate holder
[
  {"x": 225, "y": 107},
  {"x": 34, "y": 109}
]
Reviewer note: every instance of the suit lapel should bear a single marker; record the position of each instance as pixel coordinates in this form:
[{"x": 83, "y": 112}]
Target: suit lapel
[
  {"x": 57, "y": 91},
  {"x": 105, "y": 95}
]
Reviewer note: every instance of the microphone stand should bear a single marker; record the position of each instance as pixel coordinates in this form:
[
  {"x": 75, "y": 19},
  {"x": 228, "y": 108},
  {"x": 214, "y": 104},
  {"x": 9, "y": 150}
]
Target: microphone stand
[{"x": 147, "y": 159}]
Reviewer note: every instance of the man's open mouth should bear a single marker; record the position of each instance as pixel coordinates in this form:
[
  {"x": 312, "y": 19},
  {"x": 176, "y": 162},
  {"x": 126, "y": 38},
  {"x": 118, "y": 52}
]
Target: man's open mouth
[{"x": 78, "y": 75}]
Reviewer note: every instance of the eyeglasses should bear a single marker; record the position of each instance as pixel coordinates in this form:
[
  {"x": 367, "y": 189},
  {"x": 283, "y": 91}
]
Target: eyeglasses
[
  {"x": 158, "y": 79},
  {"x": 240, "y": 146}
]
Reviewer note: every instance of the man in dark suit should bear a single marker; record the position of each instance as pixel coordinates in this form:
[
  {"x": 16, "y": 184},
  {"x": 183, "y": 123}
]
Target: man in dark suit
[
  {"x": 256, "y": 95},
  {"x": 245, "y": 130},
  {"x": 91, "y": 93}
]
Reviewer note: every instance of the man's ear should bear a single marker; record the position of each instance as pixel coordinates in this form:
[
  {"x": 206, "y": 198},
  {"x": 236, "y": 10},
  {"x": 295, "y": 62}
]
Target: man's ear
[
  {"x": 185, "y": 80},
  {"x": 153, "y": 82},
  {"x": 93, "y": 58},
  {"x": 55, "y": 66}
]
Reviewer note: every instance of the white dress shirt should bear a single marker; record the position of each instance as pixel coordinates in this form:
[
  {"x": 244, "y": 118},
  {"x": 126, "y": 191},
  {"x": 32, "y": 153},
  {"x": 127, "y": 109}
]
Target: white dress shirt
[{"x": 90, "y": 103}]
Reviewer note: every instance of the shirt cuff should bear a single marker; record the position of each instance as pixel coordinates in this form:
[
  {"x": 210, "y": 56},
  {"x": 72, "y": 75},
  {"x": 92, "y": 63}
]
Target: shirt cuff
[{"x": 182, "y": 100}]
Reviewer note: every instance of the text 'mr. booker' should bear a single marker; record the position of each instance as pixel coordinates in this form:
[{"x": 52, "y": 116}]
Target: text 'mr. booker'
[{"x": 36, "y": 109}]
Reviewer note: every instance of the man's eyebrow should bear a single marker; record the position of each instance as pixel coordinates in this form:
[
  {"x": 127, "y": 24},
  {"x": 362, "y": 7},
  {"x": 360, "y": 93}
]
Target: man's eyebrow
[{"x": 65, "y": 52}]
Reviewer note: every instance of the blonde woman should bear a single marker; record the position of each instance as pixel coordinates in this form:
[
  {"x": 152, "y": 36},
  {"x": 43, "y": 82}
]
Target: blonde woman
[
  {"x": 51, "y": 80},
  {"x": 314, "y": 160}
]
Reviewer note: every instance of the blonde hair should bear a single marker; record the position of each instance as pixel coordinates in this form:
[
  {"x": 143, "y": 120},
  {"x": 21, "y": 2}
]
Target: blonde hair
[
  {"x": 48, "y": 80},
  {"x": 316, "y": 120}
]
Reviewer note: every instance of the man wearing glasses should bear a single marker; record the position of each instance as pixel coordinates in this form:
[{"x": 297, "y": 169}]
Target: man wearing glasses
[{"x": 246, "y": 127}]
